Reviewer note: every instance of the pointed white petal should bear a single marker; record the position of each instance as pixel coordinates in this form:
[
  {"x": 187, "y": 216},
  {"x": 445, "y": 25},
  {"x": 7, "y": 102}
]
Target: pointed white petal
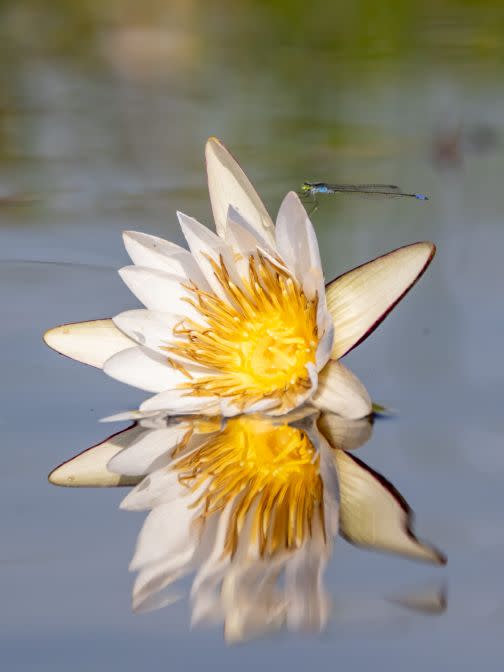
[
  {"x": 89, "y": 468},
  {"x": 150, "y": 328},
  {"x": 145, "y": 369},
  {"x": 167, "y": 532},
  {"x": 205, "y": 247},
  {"x": 359, "y": 300},
  {"x": 340, "y": 391},
  {"x": 242, "y": 237},
  {"x": 228, "y": 185},
  {"x": 153, "y": 586},
  {"x": 373, "y": 514},
  {"x": 151, "y": 450},
  {"x": 253, "y": 603},
  {"x": 153, "y": 252},
  {"x": 308, "y": 602},
  {"x": 329, "y": 477},
  {"x": 157, "y": 488},
  {"x": 179, "y": 401},
  {"x": 298, "y": 247},
  {"x": 88, "y": 342},
  {"x": 124, "y": 416},
  {"x": 158, "y": 290}
]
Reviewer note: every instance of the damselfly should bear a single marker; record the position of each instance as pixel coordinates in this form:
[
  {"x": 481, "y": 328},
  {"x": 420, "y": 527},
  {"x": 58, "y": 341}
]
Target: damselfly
[{"x": 310, "y": 190}]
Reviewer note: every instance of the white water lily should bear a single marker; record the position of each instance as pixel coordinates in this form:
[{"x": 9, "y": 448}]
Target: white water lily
[
  {"x": 249, "y": 507},
  {"x": 242, "y": 322}
]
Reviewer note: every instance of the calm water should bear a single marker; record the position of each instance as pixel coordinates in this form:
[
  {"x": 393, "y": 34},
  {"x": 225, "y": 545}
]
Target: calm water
[{"x": 103, "y": 118}]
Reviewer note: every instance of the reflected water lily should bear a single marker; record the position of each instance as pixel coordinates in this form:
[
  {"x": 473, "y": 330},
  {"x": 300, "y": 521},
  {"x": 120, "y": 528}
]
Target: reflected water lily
[
  {"x": 242, "y": 322},
  {"x": 249, "y": 506}
]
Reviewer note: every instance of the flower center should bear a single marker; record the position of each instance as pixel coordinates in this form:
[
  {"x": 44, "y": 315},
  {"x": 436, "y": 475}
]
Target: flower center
[
  {"x": 258, "y": 339},
  {"x": 269, "y": 474}
]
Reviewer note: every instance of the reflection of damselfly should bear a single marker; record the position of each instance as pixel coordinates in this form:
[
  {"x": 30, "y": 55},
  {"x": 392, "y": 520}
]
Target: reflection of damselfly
[{"x": 310, "y": 190}]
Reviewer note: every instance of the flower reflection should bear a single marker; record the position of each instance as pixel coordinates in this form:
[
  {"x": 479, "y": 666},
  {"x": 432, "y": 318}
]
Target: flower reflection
[{"x": 250, "y": 506}]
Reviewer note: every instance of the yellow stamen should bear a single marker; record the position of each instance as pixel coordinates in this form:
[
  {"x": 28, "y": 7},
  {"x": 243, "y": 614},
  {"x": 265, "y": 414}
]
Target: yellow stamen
[
  {"x": 268, "y": 474},
  {"x": 258, "y": 337}
]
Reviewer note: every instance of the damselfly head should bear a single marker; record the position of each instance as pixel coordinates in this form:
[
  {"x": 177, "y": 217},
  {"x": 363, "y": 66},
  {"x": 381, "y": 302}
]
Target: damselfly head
[{"x": 306, "y": 188}]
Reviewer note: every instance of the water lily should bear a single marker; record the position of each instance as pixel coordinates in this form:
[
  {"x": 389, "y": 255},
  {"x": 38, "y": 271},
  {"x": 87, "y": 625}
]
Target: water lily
[
  {"x": 242, "y": 321},
  {"x": 249, "y": 506}
]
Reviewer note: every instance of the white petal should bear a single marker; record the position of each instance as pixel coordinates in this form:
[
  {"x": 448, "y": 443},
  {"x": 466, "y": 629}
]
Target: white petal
[
  {"x": 179, "y": 401},
  {"x": 152, "y": 588},
  {"x": 89, "y": 468},
  {"x": 228, "y": 185},
  {"x": 124, "y": 416},
  {"x": 158, "y": 290},
  {"x": 241, "y": 237},
  {"x": 166, "y": 533},
  {"x": 215, "y": 559},
  {"x": 339, "y": 391},
  {"x": 205, "y": 246},
  {"x": 308, "y": 602},
  {"x": 150, "y": 451},
  {"x": 153, "y": 252},
  {"x": 331, "y": 491},
  {"x": 150, "y": 328},
  {"x": 298, "y": 247},
  {"x": 145, "y": 369},
  {"x": 254, "y": 604},
  {"x": 88, "y": 342},
  {"x": 374, "y": 514},
  {"x": 359, "y": 300},
  {"x": 160, "y": 487}
]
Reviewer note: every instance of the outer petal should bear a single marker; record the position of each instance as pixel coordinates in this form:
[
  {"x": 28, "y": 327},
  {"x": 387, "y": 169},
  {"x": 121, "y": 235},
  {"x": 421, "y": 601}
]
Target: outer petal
[
  {"x": 429, "y": 599},
  {"x": 228, "y": 185},
  {"x": 360, "y": 299},
  {"x": 343, "y": 433},
  {"x": 374, "y": 514},
  {"x": 339, "y": 391},
  {"x": 88, "y": 342},
  {"x": 89, "y": 468}
]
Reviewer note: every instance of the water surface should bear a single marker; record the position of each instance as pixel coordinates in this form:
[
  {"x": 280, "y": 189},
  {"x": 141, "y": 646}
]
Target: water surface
[{"x": 104, "y": 116}]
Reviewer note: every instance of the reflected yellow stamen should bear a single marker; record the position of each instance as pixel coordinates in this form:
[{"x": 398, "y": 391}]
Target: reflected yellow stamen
[
  {"x": 268, "y": 474},
  {"x": 258, "y": 336}
]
